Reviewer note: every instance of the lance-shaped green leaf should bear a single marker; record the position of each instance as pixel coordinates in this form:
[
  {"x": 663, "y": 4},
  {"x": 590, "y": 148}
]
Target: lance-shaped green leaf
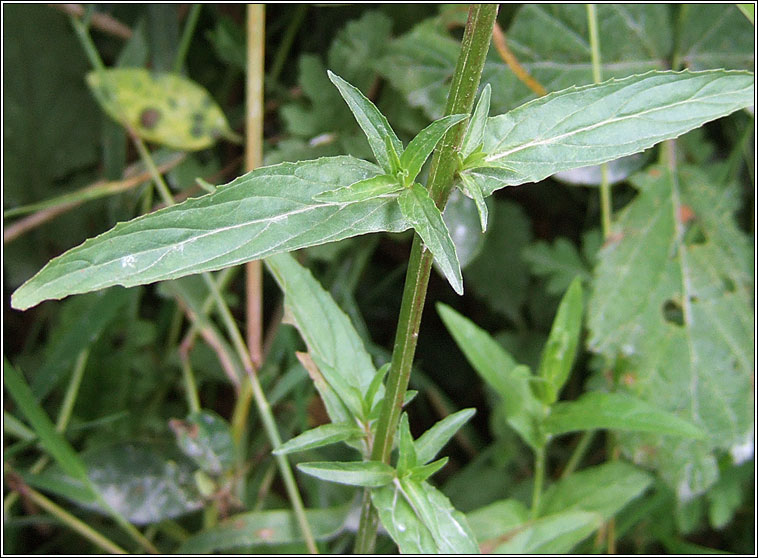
[
  {"x": 372, "y": 122},
  {"x": 264, "y": 212},
  {"x": 320, "y": 436},
  {"x": 589, "y": 125},
  {"x": 426, "y": 219},
  {"x": 560, "y": 349},
  {"x": 333, "y": 343},
  {"x": 422, "y": 472},
  {"x": 510, "y": 380},
  {"x": 473, "y": 190},
  {"x": 475, "y": 131},
  {"x": 617, "y": 411},
  {"x": 370, "y": 397},
  {"x": 370, "y": 474},
  {"x": 604, "y": 489},
  {"x": 420, "y": 147},
  {"x": 406, "y": 450},
  {"x": 377, "y": 186},
  {"x": 433, "y": 440},
  {"x": 161, "y": 107},
  {"x": 421, "y": 520}
]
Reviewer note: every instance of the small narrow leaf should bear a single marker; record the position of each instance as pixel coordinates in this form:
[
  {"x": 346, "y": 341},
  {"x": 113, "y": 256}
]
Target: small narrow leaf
[
  {"x": 558, "y": 354},
  {"x": 509, "y": 379},
  {"x": 616, "y": 411},
  {"x": 373, "y": 388},
  {"x": 422, "y": 472},
  {"x": 160, "y": 107},
  {"x": 433, "y": 440},
  {"x": 370, "y": 474},
  {"x": 474, "y": 191},
  {"x": 420, "y": 147},
  {"x": 475, "y": 132},
  {"x": 381, "y": 185},
  {"x": 320, "y": 436},
  {"x": 406, "y": 449},
  {"x": 49, "y": 437},
  {"x": 335, "y": 346},
  {"x": 372, "y": 122},
  {"x": 419, "y": 209},
  {"x": 589, "y": 125}
]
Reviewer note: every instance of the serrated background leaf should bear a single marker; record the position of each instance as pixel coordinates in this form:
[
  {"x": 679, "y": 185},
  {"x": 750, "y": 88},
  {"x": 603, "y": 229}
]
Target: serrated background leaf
[
  {"x": 266, "y": 211},
  {"x": 551, "y": 41},
  {"x": 715, "y": 36},
  {"x": 697, "y": 362}
]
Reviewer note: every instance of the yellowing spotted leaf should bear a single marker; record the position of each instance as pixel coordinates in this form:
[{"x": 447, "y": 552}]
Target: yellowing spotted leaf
[{"x": 161, "y": 108}]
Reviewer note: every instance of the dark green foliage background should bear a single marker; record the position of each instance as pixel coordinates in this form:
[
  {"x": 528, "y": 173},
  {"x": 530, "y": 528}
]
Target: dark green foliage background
[{"x": 541, "y": 235}]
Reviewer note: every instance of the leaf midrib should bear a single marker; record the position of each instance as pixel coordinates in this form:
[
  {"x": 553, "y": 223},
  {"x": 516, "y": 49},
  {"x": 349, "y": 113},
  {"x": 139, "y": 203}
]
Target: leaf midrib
[{"x": 641, "y": 114}]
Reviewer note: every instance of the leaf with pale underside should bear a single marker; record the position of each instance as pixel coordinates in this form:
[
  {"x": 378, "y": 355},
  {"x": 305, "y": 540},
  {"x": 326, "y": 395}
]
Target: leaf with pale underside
[
  {"x": 421, "y": 520},
  {"x": 264, "y": 212},
  {"x": 593, "y": 124},
  {"x": 419, "y": 209},
  {"x": 335, "y": 347}
]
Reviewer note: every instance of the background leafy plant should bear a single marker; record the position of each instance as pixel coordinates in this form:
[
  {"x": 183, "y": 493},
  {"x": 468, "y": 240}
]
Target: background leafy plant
[{"x": 540, "y": 237}]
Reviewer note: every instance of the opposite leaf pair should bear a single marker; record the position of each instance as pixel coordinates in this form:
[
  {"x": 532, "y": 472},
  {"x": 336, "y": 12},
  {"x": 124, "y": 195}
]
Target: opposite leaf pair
[{"x": 401, "y": 167}]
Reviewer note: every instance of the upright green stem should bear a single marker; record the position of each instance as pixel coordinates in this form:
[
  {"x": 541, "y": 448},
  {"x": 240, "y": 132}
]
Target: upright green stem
[
  {"x": 184, "y": 42},
  {"x": 597, "y": 76},
  {"x": 539, "y": 477},
  {"x": 468, "y": 71}
]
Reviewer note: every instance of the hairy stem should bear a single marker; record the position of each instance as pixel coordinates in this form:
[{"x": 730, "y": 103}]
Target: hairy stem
[{"x": 476, "y": 40}]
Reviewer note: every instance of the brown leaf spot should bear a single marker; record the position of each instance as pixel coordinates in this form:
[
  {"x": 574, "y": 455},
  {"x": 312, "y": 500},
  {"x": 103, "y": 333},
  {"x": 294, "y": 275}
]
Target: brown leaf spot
[
  {"x": 149, "y": 117},
  {"x": 685, "y": 214}
]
